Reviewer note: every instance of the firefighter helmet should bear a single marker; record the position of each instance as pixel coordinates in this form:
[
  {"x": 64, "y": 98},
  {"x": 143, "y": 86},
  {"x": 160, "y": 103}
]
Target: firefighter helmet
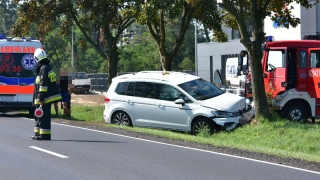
[{"x": 39, "y": 54}]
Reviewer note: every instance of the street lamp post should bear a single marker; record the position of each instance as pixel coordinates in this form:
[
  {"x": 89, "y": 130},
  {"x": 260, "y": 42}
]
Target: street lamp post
[{"x": 195, "y": 47}]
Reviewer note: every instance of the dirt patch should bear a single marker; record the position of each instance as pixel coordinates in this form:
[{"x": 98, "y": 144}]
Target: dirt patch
[{"x": 87, "y": 99}]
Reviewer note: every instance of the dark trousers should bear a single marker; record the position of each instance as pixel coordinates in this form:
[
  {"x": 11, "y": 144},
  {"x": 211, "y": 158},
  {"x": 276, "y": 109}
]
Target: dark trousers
[{"x": 43, "y": 124}]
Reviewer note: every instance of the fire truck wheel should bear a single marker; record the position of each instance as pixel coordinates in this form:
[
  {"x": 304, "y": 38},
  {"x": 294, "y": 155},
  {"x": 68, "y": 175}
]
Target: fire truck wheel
[{"x": 295, "y": 111}]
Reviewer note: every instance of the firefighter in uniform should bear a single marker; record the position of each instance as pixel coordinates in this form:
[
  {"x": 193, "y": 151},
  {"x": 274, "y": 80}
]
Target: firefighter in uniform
[{"x": 45, "y": 92}]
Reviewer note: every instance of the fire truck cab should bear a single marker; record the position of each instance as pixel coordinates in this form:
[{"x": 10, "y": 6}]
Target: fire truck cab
[{"x": 291, "y": 72}]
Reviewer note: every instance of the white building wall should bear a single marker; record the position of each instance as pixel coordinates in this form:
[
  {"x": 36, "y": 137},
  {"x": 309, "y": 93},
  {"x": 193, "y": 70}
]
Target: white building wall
[
  {"x": 309, "y": 24},
  {"x": 216, "y": 50},
  {"x": 282, "y": 33},
  {"x": 308, "y": 21}
]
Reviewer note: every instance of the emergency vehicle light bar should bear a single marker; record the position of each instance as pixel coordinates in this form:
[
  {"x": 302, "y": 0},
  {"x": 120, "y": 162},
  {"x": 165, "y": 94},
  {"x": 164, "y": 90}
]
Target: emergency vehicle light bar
[
  {"x": 313, "y": 37},
  {"x": 2, "y": 36},
  {"x": 269, "y": 39},
  {"x": 28, "y": 38},
  {"x": 16, "y": 38}
]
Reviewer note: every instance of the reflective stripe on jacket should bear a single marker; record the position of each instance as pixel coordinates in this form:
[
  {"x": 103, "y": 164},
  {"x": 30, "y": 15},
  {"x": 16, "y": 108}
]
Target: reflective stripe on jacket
[{"x": 45, "y": 87}]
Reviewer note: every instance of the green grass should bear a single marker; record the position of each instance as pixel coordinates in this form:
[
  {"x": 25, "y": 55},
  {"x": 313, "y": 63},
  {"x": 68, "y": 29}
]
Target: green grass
[
  {"x": 83, "y": 113},
  {"x": 278, "y": 137}
]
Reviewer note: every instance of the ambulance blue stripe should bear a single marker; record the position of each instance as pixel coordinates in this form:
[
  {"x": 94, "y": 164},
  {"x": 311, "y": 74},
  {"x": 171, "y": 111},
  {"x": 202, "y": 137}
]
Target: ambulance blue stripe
[{"x": 16, "y": 80}]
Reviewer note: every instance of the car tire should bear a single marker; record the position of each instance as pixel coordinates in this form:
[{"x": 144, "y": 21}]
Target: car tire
[
  {"x": 295, "y": 111},
  {"x": 202, "y": 124},
  {"x": 121, "y": 118}
]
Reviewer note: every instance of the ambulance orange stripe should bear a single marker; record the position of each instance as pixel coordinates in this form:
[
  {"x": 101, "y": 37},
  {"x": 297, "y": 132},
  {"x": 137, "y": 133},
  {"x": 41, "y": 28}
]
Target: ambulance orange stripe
[
  {"x": 13, "y": 89},
  {"x": 8, "y": 89},
  {"x": 25, "y": 89}
]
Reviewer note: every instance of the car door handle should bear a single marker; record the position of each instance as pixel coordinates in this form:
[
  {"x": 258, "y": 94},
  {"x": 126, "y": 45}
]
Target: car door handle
[
  {"x": 22, "y": 84},
  {"x": 129, "y": 101},
  {"x": 318, "y": 84},
  {"x": 160, "y": 105}
]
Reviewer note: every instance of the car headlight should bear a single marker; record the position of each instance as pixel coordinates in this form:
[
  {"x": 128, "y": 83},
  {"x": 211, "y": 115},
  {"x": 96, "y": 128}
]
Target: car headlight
[{"x": 224, "y": 114}]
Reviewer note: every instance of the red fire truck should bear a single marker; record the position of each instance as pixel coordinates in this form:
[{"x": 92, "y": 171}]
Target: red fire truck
[{"x": 291, "y": 72}]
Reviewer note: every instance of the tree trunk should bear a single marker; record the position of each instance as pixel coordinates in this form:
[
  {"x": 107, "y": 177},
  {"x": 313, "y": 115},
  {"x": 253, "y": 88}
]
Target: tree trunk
[
  {"x": 206, "y": 33},
  {"x": 166, "y": 63},
  {"x": 112, "y": 63},
  {"x": 260, "y": 99}
]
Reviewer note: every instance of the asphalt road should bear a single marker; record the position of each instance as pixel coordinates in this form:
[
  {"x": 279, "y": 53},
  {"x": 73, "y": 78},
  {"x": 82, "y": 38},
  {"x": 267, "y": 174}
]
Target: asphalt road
[{"x": 78, "y": 153}]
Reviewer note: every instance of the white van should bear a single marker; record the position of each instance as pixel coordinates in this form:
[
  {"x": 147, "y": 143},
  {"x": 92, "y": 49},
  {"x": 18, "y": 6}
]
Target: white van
[
  {"x": 174, "y": 101},
  {"x": 235, "y": 79}
]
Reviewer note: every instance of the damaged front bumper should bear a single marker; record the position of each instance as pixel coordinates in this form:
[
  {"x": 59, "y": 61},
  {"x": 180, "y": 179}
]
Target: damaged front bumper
[{"x": 231, "y": 122}]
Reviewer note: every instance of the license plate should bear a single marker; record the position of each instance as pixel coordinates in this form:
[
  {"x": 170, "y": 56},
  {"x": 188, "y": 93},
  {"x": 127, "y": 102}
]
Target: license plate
[{"x": 6, "y": 98}]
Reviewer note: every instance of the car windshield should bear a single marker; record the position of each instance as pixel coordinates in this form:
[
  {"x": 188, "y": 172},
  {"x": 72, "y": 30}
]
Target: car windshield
[
  {"x": 78, "y": 75},
  {"x": 200, "y": 89}
]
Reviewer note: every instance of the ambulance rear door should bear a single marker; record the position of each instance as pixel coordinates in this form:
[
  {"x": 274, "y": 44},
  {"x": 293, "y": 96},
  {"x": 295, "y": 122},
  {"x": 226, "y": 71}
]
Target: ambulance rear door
[
  {"x": 8, "y": 81},
  {"x": 26, "y": 67}
]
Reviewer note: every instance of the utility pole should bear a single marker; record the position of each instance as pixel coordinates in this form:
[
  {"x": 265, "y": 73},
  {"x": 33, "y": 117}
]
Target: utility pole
[
  {"x": 72, "y": 47},
  {"x": 195, "y": 47},
  {"x": 72, "y": 39}
]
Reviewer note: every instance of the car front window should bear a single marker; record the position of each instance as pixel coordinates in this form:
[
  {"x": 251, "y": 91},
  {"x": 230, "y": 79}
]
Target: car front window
[
  {"x": 200, "y": 89},
  {"x": 169, "y": 93}
]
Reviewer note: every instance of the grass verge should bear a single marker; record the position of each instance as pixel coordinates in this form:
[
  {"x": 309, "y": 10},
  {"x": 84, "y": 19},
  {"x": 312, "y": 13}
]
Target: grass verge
[{"x": 277, "y": 137}]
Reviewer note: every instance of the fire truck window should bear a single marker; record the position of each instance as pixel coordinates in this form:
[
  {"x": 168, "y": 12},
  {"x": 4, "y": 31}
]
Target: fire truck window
[
  {"x": 276, "y": 59},
  {"x": 303, "y": 59},
  {"x": 315, "y": 59}
]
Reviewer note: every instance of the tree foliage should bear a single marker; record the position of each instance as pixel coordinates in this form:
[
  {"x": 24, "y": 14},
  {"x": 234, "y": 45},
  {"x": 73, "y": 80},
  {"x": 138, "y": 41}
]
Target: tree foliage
[
  {"x": 8, "y": 15},
  {"x": 157, "y": 15},
  {"x": 140, "y": 52},
  {"x": 237, "y": 13},
  {"x": 103, "y": 17}
]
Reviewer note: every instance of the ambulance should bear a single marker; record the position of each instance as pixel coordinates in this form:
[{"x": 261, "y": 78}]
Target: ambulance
[{"x": 17, "y": 73}]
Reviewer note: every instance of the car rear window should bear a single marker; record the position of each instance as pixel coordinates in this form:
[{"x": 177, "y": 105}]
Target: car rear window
[
  {"x": 17, "y": 65},
  {"x": 79, "y": 75},
  {"x": 122, "y": 88}
]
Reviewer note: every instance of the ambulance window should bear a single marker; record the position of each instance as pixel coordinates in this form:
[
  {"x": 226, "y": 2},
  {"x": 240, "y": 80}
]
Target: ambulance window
[
  {"x": 17, "y": 65},
  {"x": 303, "y": 59},
  {"x": 315, "y": 59},
  {"x": 276, "y": 59}
]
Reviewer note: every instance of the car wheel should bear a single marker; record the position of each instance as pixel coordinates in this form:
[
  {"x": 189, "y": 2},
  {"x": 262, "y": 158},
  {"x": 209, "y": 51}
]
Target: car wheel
[
  {"x": 121, "y": 118},
  {"x": 295, "y": 111},
  {"x": 203, "y": 124}
]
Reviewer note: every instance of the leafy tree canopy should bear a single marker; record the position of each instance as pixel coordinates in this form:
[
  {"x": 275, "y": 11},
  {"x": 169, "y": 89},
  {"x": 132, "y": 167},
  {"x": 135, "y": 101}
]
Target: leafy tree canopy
[
  {"x": 237, "y": 14},
  {"x": 157, "y": 15},
  {"x": 103, "y": 17},
  {"x": 8, "y": 15}
]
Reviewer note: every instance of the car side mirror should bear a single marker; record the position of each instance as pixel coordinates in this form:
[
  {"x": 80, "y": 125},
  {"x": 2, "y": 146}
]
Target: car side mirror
[{"x": 180, "y": 101}]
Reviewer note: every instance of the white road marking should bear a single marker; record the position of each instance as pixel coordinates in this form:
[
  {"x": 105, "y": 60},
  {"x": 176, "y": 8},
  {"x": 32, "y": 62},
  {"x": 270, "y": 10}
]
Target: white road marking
[
  {"x": 49, "y": 152},
  {"x": 185, "y": 147}
]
